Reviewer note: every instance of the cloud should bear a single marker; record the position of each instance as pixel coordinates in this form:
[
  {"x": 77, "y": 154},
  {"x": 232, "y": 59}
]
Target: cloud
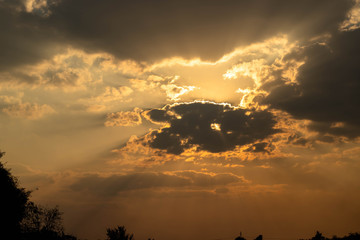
[
  {"x": 187, "y": 28},
  {"x": 204, "y": 180},
  {"x": 11, "y": 99},
  {"x": 113, "y": 184},
  {"x": 142, "y": 85},
  {"x": 327, "y": 85},
  {"x": 113, "y": 94},
  {"x": 32, "y": 177},
  {"x": 297, "y": 139},
  {"x": 259, "y": 147},
  {"x": 120, "y": 119},
  {"x": 37, "y": 7},
  {"x": 353, "y": 20},
  {"x": 205, "y": 29},
  {"x": 209, "y": 126},
  {"x": 23, "y": 40},
  {"x": 70, "y": 70},
  {"x": 174, "y": 92},
  {"x": 96, "y": 108},
  {"x": 28, "y": 110}
]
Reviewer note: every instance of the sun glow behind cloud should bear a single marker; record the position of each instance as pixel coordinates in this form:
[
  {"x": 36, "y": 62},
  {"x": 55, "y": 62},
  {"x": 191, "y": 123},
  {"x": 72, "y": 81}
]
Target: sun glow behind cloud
[
  {"x": 77, "y": 71},
  {"x": 271, "y": 48}
]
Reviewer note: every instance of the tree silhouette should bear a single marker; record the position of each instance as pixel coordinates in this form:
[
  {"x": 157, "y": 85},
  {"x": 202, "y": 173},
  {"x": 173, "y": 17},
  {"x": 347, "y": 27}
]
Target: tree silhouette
[
  {"x": 13, "y": 203},
  {"x": 20, "y": 218},
  {"x": 118, "y": 233},
  {"x": 240, "y": 237},
  {"x": 318, "y": 236},
  {"x": 41, "y": 222},
  {"x": 351, "y": 236}
]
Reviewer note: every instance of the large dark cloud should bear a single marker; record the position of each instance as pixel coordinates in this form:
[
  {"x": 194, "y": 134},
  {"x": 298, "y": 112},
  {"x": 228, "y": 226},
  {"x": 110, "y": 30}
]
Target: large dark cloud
[
  {"x": 113, "y": 184},
  {"x": 144, "y": 29},
  {"x": 23, "y": 39},
  {"x": 209, "y": 126},
  {"x": 148, "y": 30},
  {"x": 328, "y": 86}
]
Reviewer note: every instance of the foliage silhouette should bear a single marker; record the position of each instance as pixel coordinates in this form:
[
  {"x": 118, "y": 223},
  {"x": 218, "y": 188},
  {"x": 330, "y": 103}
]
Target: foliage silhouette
[
  {"x": 351, "y": 236},
  {"x": 21, "y": 219},
  {"x": 118, "y": 233},
  {"x": 318, "y": 236},
  {"x": 12, "y": 203},
  {"x": 43, "y": 223},
  {"x": 240, "y": 237},
  {"x": 260, "y": 237}
]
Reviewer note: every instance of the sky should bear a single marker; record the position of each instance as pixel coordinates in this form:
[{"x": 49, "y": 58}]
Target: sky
[{"x": 185, "y": 119}]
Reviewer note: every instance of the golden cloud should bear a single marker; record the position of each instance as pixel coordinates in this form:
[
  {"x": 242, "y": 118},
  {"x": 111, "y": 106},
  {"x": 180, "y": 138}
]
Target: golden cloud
[
  {"x": 28, "y": 110},
  {"x": 124, "y": 119},
  {"x": 113, "y": 94}
]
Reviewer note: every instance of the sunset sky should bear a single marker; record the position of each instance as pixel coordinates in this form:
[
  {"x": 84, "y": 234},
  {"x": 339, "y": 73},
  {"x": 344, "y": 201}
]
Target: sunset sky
[{"x": 185, "y": 119}]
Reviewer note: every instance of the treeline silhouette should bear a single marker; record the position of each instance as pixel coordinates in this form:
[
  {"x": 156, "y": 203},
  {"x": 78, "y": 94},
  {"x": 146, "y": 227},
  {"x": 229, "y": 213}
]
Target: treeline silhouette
[
  {"x": 351, "y": 236},
  {"x": 318, "y": 236},
  {"x": 22, "y": 219}
]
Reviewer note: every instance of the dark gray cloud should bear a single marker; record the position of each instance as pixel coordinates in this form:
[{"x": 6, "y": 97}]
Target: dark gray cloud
[
  {"x": 209, "y": 126},
  {"x": 113, "y": 184},
  {"x": 328, "y": 86},
  {"x": 23, "y": 39},
  {"x": 148, "y": 30}
]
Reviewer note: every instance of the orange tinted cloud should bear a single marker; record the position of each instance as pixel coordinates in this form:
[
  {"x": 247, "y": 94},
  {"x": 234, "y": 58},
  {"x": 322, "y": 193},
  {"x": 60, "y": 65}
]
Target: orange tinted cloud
[
  {"x": 28, "y": 110},
  {"x": 119, "y": 119}
]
